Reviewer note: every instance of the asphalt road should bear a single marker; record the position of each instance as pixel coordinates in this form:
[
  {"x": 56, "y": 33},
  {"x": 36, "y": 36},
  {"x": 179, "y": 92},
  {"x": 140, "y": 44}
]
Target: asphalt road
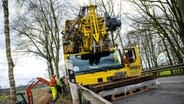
[{"x": 169, "y": 91}]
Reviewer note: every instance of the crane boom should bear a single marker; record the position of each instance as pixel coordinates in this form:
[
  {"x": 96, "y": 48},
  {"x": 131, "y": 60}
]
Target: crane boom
[
  {"x": 88, "y": 32},
  {"x": 92, "y": 52},
  {"x": 71, "y": 28}
]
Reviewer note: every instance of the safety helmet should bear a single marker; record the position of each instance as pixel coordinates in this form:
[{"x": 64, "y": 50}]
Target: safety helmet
[{"x": 54, "y": 75}]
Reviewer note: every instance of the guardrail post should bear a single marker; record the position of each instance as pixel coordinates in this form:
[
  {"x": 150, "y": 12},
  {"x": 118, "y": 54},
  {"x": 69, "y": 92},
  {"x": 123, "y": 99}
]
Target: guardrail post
[
  {"x": 155, "y": 74},
  {"x": 74, "y": 93},
  {"x": 158, "y": 73}
]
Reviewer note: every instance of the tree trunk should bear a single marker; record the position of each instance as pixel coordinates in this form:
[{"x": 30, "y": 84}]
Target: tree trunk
[
  {"x": 57, "y": 41},
  {"x": 51, "y": 68},
  {"x": 167, "y": 52},
  {"x": 145, "y": 51},
  {"x": 181, "y": 6},
  {"x": 57, "y": 64},
  {"x": 153, "y": 52},
  {"x": 8, "y": 53}
]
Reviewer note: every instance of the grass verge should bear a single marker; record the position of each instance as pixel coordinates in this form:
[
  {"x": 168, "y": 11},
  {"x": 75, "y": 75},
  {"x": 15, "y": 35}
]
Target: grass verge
[
  {"x": 3, "y": 98},
  {"x": 64, "y": 99}
]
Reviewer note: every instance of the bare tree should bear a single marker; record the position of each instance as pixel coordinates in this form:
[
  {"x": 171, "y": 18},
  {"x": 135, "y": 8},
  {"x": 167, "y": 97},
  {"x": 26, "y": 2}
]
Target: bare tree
[
  {"x": 166, "y": 25},
  {"x": 38, "y": 32},
  {"x": 181, "y": 6},
  {"x": 8, "y": 52}
]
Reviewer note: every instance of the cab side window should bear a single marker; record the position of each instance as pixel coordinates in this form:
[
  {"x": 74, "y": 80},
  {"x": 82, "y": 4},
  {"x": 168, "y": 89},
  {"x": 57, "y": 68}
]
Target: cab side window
[{"x": 131, "y": 55}]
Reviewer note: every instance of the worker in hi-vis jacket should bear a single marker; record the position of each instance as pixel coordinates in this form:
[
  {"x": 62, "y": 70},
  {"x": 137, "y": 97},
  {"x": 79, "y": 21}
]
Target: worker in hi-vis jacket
[{"x": 53, "y": 84}]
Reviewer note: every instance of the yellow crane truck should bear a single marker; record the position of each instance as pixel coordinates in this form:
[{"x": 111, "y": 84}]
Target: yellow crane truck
[{"x": 96, "y": 60}]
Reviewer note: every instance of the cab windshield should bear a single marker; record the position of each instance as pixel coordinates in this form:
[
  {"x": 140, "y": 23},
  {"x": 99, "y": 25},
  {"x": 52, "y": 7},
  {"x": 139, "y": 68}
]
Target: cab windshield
[{"x": 96, "y": 62}]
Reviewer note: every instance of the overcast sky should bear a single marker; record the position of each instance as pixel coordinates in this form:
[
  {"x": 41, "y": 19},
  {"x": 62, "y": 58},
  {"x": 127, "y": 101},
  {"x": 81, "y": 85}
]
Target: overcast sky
[{"x": 26, "y": 67}]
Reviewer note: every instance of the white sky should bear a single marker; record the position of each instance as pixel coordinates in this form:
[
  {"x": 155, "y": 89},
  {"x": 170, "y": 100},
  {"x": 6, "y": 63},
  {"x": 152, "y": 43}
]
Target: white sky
[{"x": 27, "y": 67}]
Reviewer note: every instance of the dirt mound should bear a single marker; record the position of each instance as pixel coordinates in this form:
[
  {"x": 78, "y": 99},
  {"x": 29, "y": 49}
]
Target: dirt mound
[{"x": 42, "y": 96}]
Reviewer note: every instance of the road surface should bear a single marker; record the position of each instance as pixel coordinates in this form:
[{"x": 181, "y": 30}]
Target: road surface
[{"x": 169, "y": 91}]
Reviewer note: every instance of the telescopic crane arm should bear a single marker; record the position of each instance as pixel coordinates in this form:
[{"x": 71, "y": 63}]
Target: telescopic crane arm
[{"x": 72, "y": 27}]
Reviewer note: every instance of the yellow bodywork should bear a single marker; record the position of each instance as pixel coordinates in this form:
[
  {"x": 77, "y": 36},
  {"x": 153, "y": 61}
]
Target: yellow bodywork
[
  {"x": 92, "y": 31},
  {"x": 132, "y": 69},
  {"x": 135, "y": 68}
]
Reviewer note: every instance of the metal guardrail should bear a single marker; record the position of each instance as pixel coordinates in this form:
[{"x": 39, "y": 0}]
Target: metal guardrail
[
  {"x": 125, "y": 89},
  {"x": 89, "y": 97},
  {"x": 165, "y": 68},
  {"x": 82, "y": 95}
]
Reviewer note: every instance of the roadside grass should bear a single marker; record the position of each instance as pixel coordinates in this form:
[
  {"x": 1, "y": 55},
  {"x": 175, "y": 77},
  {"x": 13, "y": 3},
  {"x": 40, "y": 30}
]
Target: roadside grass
[
  {"x": 165, "y": 73},
  {"x": 3, "y": 98},
  {"x": 170, "y": 72},
  {"x": 64, "y": 99}
]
